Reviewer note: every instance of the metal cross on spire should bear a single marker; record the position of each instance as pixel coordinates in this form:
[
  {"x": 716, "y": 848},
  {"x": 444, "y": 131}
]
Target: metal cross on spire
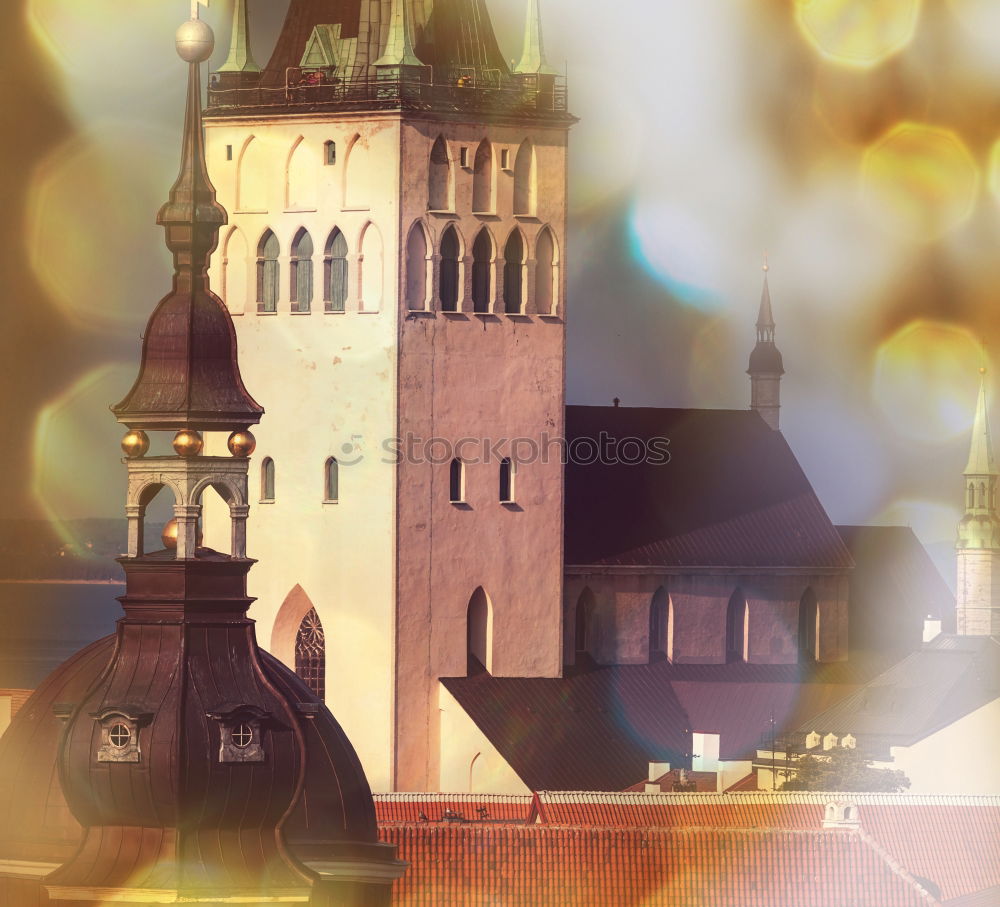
[{"x": 196, "y": 7}]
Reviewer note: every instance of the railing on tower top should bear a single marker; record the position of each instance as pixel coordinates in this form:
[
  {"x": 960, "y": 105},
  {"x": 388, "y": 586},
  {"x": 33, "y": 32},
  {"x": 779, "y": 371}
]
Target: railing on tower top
[{"x": 413, "y": 89}]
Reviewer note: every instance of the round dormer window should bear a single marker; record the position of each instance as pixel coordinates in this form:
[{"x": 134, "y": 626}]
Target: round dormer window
[
  {"x": 242, "y": 736},
  {"x": 120, "y": 736}
]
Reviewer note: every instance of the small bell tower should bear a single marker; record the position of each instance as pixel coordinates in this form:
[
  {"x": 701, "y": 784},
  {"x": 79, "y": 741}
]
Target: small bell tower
[
  {"x": 766, "y": 367},
  {"x": 978, "y": 543}
]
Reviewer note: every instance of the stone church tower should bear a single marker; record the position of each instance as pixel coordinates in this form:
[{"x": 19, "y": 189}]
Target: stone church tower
[
  {"x": 979, "y": 534},
  {"x": 397, "y": 199},
  {"x": 766, "y": 367}
]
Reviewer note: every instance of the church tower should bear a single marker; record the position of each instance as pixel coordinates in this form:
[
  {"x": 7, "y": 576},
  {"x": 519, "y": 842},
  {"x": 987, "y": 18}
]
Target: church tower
[
  {"x": 394, "y": 268},
  {"x": 766, "y": 366},
  {"x": 979, "y": 533}
]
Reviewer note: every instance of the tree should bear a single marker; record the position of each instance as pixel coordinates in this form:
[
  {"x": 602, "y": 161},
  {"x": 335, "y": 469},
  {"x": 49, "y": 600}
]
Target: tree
[{"x": 843, "y": 769}]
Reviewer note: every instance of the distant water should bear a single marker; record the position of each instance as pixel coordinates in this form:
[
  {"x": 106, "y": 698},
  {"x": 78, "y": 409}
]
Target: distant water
[{"x": 42, "y": 624}]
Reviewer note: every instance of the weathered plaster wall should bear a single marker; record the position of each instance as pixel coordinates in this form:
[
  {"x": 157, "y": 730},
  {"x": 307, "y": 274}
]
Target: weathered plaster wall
[
  {"x": 978, "y": 592},
  {"x": 328, "y": 384}
]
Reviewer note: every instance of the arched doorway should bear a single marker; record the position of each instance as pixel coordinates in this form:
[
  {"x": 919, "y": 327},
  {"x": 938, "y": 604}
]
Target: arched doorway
[{"x": 479, "y": 632}]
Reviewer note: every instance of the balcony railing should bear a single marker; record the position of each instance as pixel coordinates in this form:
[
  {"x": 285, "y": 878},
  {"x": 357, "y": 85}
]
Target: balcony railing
[{"x": 462, "y": 91}]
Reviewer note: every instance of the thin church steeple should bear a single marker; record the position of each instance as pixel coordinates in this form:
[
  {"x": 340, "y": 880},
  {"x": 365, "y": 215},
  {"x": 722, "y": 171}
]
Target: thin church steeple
[
  {"x": 240, "y": 58},
  {"x": 981, "y": 460},
  {"x": 398, "y": 50},
  {"x": 766, "y": 366}
]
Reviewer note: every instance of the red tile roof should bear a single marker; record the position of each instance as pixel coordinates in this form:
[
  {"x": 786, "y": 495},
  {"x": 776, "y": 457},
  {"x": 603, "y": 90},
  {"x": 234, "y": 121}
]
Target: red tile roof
[
  {"x": 538, "y": 866},
  {"x": 732, "y": 494},
  {"x": 412, "y": 808}
]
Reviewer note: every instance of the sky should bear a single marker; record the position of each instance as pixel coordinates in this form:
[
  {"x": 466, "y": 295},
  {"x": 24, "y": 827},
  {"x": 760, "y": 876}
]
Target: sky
[{"x": 855, "y": 142}]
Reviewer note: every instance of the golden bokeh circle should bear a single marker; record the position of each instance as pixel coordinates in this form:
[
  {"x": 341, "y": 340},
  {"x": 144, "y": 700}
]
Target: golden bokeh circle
[{"x": 858, "y": 33}]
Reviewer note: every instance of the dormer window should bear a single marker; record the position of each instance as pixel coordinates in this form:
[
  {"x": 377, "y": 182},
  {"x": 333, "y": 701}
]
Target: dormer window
[
  {"x": 120, "y": 733},
  {"x": 240, "y": 737}
]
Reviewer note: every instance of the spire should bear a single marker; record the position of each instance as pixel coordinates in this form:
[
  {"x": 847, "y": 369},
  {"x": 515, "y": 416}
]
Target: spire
[
  {"x": 765, "y": 318},
  {"x": 981, "y": 461},
  {"x": 240, "y": 59},
  {"x": 766, "y": 366},
  {"x": 189, "y": 377},
  {"x": 399, "y": 41},
  {"x": 533, "y": 56}
]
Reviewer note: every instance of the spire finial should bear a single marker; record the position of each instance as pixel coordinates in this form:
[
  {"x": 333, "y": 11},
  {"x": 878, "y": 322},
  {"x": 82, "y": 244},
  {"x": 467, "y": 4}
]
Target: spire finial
[
  {"x": 533, "y": 56},
  {"x": 981, "y": 448},
  {"x": 765, "y": 318},
  {"x": 766, "y": 266}
]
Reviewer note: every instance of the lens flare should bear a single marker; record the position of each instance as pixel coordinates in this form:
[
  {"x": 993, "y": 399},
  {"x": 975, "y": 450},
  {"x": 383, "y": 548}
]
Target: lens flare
[
  {"x": 860, "y": 33},
  {"x": 994, "y": 173},
  {"x": 980, "y": 27},
  {"x": 921, "y": 179},
  {"x": 713, "y": 353},
  {"x": 925, "y": 380},
  {"x": 91, "y": 233},
  {"x": 76, "y": 428}
]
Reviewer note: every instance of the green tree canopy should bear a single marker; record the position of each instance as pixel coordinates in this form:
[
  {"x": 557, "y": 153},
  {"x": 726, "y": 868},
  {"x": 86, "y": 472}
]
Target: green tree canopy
[{"x": 843, "y": 769}]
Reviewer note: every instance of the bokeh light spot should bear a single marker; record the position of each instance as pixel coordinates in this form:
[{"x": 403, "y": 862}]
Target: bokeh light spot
[
  {"x": 76, "y": 428},
  {"x": 994, "y": 173},
  {"x": 860, "y": 33},
  {"x": 921, "y": 179},
  {"x": 91, "y": 223},
  {"x": 925, "y": 380}
]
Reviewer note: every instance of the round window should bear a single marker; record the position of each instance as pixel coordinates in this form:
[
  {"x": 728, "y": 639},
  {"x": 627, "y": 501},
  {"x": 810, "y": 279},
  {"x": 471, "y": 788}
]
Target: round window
[
  {"x": 120, "y": 736},
  {"x": 242, "y": 736}
]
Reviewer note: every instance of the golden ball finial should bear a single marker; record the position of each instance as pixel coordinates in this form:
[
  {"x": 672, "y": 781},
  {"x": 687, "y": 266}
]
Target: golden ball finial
[
  {"x": 170, "y": 532},
  {"x": 188, "y": 443},
  {"x": 241, "y": 444},
  {"x": 195, "y": 41},
  {"x": 135, "y": 444}
]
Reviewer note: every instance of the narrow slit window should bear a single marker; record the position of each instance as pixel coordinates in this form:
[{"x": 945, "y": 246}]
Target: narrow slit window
[
  {"x": 506, "y": 481},
  {"x": 329, "y": 153},
  {"x": 268, "y": 273},
  {"x": 331, "y": 481},
  {"x": 229, "y": 152},
  {"x": 449, "y": 270},
  {"x": 335, "y": 278},
  {"x": 267, "y": 480},
  {"x": 482, "y": 266},
  {"x": 456, "y": 482},
  {"x": 302, "y": 272}
]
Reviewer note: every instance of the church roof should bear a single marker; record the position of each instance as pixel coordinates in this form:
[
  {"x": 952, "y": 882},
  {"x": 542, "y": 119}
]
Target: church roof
[
  {"x": 894, "y": 586},
  {"x": 598, "y": 728},
  {"x": 657, "y": 867},
  {"x": 447, "y": 34},
  {"x": 731, "y": 495},
  {"x": 928, "y": 690}
]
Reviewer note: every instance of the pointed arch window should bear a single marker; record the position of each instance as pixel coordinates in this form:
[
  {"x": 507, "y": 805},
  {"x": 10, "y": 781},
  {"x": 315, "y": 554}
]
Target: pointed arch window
[
  {"x": 268, "y": 274},
  {"x": 736, "y": 630},
  {"x": 482, "y": 265},
  {"x": 479, "y": 633},
  {"x": 310, "y": 653},
  {"x": 335, "y": 276},
  {"x": 507, "y": 473},
  {"x": 808, "y": 626},
  {"x": 331, "y": 481},
  {"x": 416, "y": 269},
  {"x": 302, "y": 271},
  {"x": 482, "y": 179},
  {"x": 267, "y": 480},
  {"x": 545, "y": 273},
  {"x": 513, "y": 269},
  {"x": 456, "y": 482},
  {"x": 329, "y": 153},
  {"x": 439, "y": 178},
  {"x": 972, "y": 495},
  {"x": 524, "y": 180},
  {"x": 450, "y": 252}
]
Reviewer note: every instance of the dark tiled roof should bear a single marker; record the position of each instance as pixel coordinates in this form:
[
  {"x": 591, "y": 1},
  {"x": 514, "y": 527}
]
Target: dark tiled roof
[
  {"x": 538, "y": 866},
  {"x": 732, "y": 495},
  {"x": 926, "y": 691},
  {"x": 451, "y": 33},
  {"x": 894, "y": 586},
  {"x": 598, "y": 729}
]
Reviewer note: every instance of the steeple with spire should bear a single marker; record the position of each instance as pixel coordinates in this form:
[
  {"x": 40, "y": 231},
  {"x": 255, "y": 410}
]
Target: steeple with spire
[
  {"x": 533, "y": 60},
  {"x": 766, "y": 367},
  {"x": 190, "y": 757},
  {"x": 979, "y": 532}
]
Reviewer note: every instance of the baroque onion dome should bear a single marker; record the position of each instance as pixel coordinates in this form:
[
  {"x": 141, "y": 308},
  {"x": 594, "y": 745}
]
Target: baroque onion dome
[{"x": 192, "y": 766}]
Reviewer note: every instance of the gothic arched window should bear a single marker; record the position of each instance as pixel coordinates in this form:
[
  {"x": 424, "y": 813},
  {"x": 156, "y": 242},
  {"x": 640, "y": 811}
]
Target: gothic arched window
[
  {"x": 479, "y": 633},
  {"x": 513, "y": 266},
  {"x": 439, "y": 178},
  {"x": 268, "y": 273},
  {"x": 450, "y": 252},
  {"x": 267, "y": 479},
  {"x": 545, "y": 273},
  {"x": 335, "y": 278},
  {"x": 310, "y": 653},
  {"x": 736, "y": 635},
  {"x": 482, "y": 264},
  {"x": 416, "y": 269},
  {"x": 482, "y": 179},
  {"x": 302, "y": 271},
  {"x": 524, "y": 180},
  {"x": 331, "y": 481}
]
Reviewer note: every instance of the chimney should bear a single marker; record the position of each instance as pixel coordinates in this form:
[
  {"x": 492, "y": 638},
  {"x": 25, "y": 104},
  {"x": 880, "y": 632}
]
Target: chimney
[
  {"x": 704, "y": 752},
  {"x": 656, "y": 771},
  {"x": 932, "y": 628}
]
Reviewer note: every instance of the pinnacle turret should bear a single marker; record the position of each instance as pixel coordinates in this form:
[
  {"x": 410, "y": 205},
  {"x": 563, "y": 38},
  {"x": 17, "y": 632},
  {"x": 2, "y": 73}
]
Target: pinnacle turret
[
  {"x": 398, "y": 50},
  {"x": 533, "y": 56},
  {"x": 240, "y": 58}
]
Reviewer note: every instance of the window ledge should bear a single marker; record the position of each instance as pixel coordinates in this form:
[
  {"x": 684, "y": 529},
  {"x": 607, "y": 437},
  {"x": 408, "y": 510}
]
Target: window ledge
[
  {"x": 301, "y": 210},
  {"x": 334, "y": 311},
  {"x": 528, "y": 218},
  {"x": 266, "y": 501},
  {"x": 262, "y": 312},
  {"x": 460, "y": 505},
  {"x": 300, "y": 312},
  {"x": 330, "y": 502},
  {"x": 486, "y": 214},
  {"x": 348, "y": 210},
  {"x": 251, "y": 211},
  {"x": 550, "y": 317},
  {"x": 442, "y": 212}
]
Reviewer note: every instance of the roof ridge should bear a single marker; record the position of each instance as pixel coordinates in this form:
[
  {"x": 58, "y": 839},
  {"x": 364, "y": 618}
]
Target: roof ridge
[{"x": 895, "y": 866}]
